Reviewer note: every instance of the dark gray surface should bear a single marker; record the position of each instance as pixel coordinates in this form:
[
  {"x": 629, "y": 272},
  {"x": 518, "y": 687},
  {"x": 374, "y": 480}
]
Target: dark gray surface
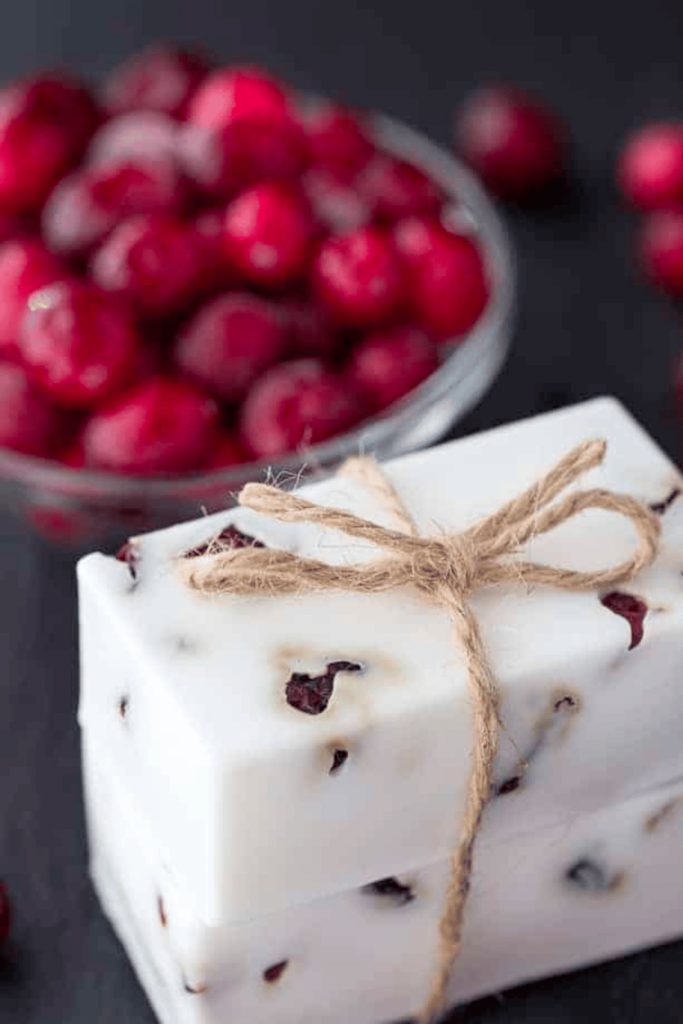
[{"x": 586, "y": 327}]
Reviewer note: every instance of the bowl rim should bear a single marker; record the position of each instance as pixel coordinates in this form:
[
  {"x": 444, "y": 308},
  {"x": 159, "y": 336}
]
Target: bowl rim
[{"x": 489, "y": 339}]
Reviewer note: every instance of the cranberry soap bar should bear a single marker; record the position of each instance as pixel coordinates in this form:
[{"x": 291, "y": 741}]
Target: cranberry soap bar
[
  {"x": 282, "y": 750},
  {"x": 541, "y": 904}
]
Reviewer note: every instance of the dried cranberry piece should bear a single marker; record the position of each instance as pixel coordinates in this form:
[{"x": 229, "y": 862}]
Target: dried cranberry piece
[
  {"x": 311, "y": 694},
  {"x": 161, "y": 908},
  {"x": 129, "y": 552},
  {"x": 5, "y": 913},
  {"x": 590, "y": 876},
  {"x": 392, "y": 889},
  {"x": 660, "y": 507},
  {"x": 631, "y": 608},
  {"x": 272, "y": 974},
  {"x": 339, "y": 758},
  {"x": 123, "y": 708},
  {"x": 230, "y": 537},
  {"x": 510, "y": 785}
]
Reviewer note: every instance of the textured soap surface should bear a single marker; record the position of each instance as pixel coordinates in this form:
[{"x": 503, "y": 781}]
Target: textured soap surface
[
  {"x": 256, "y": 805},
  {"x": 606, "y": 884}
]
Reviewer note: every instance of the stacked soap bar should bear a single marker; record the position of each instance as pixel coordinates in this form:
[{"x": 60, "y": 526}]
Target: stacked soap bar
[{"x": 293, "y": 771}]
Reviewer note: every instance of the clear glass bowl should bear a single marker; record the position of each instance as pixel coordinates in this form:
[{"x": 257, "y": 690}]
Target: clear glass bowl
[{"x": 80, "y": 509}]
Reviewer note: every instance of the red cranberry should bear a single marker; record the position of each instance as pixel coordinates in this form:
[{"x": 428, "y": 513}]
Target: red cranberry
[
  {"x": 215, "y": 274},
  {"x": 359, "y": 277},
  {"x": 337, "y": 204},
  {"x": 512, "y": 140},
  {"x": 88, "y": 204},
  {"x": 650, "y": 166},
  {"x": 661, "y": 250},
  {"x": 448, "y": 285},
  {"x": 631, "y": 608},
  {"x": 29, "y": 422},
  {"x": 230, "y": 537},
  {"x": 312, "y": 694},
  {"x": 227, "y": 451},
  {"x": 337, "y": 139},
  {"x": 311, "y": 331},
  {"x": 394, "y": 188},
  {"x": 25, "y": 266},
  {"x": 414, "y": 238},
  {"x": 138, "y": 136},
  {"x": 238, "y": 94},
  {"x": 161, "y": 426},
  {"x": 229, "y": 342},
  {"x": 155, "y": 262},
  {"x": 268, "y": 234},
  {"x": 296, "y": 403},
  {"x": 5, "y": 913},
  {"x": 45, "y": 122},
  {"x": 387, "y": 366},
  {"x": 73, "y": 456},
  {"x": 162, "y": 78},
  {"x": 79, "y": 343}
]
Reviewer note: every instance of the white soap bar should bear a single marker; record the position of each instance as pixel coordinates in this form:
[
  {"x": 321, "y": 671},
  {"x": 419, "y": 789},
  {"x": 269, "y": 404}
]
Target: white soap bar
[
  {"x": 250, "y": 807},
  {"x": 565, "y": 897}
]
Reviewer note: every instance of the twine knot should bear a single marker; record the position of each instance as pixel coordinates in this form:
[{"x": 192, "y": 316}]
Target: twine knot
[{"x": 444, "y": 569}]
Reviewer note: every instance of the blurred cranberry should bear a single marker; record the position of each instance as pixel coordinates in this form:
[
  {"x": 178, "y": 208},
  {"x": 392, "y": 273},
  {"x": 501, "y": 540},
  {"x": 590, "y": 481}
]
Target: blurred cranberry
[
  {"x": 414, "y": 237},
  {"x": 25, "y": 266},
  {"x": 79, "y": 343},
  {"x": 337, "y": 139},
  {"x": 88, "y": 204},
  {"x": 661, "y": 250},
  {"x": 138, "y": 136},
  {"x": 239, "y": 94},
  {"x": 386, "y": 366},
  {"x": 359, "y": 278},
  {"x": 162, "y": 78},
  {"x": 267, "y": 235},
  {"x": 394, "y": 188},
  {"x": 229, "y": 342},
  {"x": 45, "y": 123},
  {"x": 215, "y": 274},
  {"x": 516, "y": 144},
  {"x": 161, "y": 426},
  {"x": 296, "y": 403},
  {"x": 73, "y": 456},
  {"x": 650, "y": 166},
  {"x": 29, "y": 422},
  {"x": 227, "y": 451},
  {"x": 154, "y": 261},
  {"x": 336, "y": 203},
  {"x": 310, "y": 328}
]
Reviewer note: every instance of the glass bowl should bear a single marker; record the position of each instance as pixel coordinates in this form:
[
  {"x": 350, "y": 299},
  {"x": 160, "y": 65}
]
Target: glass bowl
[{"x": 79, "y": 509}]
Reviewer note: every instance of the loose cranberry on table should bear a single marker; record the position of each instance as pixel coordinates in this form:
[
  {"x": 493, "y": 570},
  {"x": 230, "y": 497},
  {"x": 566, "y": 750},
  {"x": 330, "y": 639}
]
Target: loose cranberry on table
[
  {"x": 337, "y": 139},
  {"x": 79, "y": 343},
  {"x": 661, "y": 250},
  {"x": 162, "y": 78},
  {"x": 386, "y": 366},
  {"x": 25, "y": 267},
  {"x": 162, "y": 426},
  {"x": 268, "y": 233},
  {"x": 88, "y": 204},
  {"x": 297, "y": 403},
  {"x": 45, "y": 123},
  {"x": 394, "y": 188},
  {"x": 650, "y": 166},
  {"x": 239, "y": 94},
  {"x": 359, "y": 277},
  {"x": 516, "y": 144},
  {"x": 155, "y": 262},
  {"x": 230, "y": 341},
  {"x": 29, "y": 422}
]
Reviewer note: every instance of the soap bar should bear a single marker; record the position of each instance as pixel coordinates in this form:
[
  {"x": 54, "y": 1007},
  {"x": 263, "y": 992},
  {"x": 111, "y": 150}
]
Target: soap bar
[
  {"x": 541, "y": 904},
  {"x": 287, "y": 749}
]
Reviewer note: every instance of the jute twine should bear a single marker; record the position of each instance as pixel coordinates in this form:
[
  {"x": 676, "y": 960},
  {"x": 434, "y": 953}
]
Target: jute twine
[{"x": 443, "y": 569}]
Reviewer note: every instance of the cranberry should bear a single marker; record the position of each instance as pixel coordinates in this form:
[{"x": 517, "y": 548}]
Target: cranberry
[
  {"x": 337, "y": 204},
  {"x": 79, "y": 343},
  {"x": 45, "y": 122},
  {"x": 359, "y": 277},
  {"x": 268, "y": 234},
  {"x": 386, "y": 366},
  {"x": 73, "y": 456},
  {"x": 448, "y": 285},
  {"x": 153, "y": 261},
  {"x": 337, "y": 139},
  {"x": 88, "y": 204},
  {"x": 25, "y": 266},
  {"x": 510, "y": 785},
  {"x": 138, "y": 136},
  {"x": 394, "y": 188},
  {"x": 339, "y": 759},
  {"x": 227, "y": 451},
  {"x": 230, "y": 537},
  {"x": 161, "y": 426},
  {"x": 661, "y": 250},
  {"x": 414, "y": 238},
  {"x": 5, "y": 913},
  {"x": 162, "y": 78},
  {"x": 631, "y": 608},
  {"x": 311, "y": 331},
  {"x": 215, "y": 273},
  {"x": 312, "y": 694},
  {"x": 392, "y": 889},
  {"x": 650, "y": 166},
  {"x": 295, "y": 403},
  {"x": 512, "y": 140},
  {"x": 29, "y": 422},
  {"x": 229, "y": 342},
  {"x": 238, "y": 94},
  {"x": 274, "y": 973}
]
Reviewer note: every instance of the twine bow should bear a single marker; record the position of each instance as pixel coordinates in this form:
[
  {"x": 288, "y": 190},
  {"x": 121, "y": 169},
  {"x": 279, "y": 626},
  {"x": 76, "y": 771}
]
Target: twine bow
[{"x": 444, "y": 569}]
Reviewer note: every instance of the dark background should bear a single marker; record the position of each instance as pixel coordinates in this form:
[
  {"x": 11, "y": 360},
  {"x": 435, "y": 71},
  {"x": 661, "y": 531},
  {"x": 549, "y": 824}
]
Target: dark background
[{"x": 587, "y": 326}]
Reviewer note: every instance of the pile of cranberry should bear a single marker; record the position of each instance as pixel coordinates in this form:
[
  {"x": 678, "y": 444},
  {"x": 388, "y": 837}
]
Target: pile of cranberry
[{"x": 197, "y": 270}]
